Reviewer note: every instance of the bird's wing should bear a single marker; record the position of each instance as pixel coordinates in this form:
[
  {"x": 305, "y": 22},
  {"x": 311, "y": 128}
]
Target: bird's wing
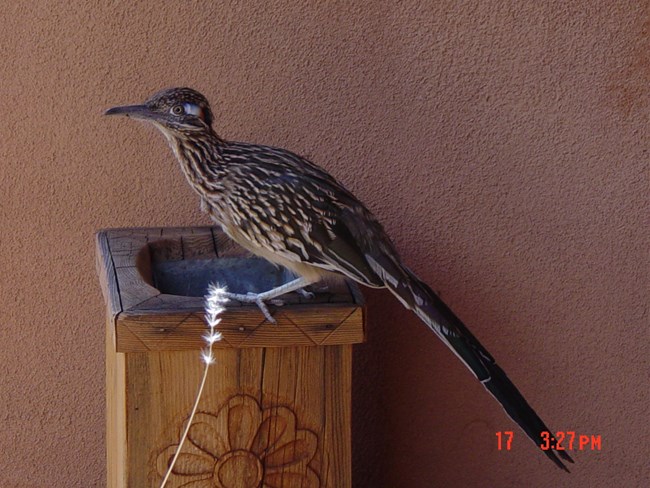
[
  {"x": 333, "y": 242},
  {"x": 313, "y": 213}
]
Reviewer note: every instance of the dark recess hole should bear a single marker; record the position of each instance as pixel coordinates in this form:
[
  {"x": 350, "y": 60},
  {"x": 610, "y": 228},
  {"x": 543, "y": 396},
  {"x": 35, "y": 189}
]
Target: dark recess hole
[{"x": 192, "y": 277}]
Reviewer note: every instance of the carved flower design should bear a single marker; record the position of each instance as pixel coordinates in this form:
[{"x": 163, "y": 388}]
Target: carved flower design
[{"x": 244, "y": 446}]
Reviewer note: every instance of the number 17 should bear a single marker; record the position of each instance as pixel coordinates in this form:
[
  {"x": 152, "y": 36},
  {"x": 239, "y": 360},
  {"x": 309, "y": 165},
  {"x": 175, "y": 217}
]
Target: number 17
[{"x": 508, "y": 434}]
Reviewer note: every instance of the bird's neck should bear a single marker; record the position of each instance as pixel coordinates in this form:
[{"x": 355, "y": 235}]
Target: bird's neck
[{"x": 199, "y": 155}]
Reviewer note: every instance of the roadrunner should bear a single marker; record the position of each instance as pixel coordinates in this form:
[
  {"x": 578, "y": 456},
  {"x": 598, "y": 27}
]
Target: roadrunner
[{"x": 286, "y": 209}]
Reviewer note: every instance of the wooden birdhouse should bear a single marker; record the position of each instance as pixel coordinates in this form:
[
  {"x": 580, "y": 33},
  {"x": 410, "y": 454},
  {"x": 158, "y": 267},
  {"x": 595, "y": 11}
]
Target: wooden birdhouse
[{"x": 276, "y": 408}]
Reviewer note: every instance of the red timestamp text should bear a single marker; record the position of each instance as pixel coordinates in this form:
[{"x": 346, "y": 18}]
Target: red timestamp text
[
  {"x": 569, "y": 441},
  {"x": 560, "y": 441},
  {"x": 504, "y": 440}
]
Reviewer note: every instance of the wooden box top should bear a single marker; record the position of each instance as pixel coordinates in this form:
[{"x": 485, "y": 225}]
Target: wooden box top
[{"x": 154, "y": 281}]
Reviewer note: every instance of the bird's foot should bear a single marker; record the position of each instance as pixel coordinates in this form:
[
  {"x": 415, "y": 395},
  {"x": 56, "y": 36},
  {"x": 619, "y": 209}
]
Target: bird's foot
[
  {"x": 258, "y": 300},
  {"x": 304, "y": 293},
  {"x": 320, "y": 288},
  {"x": 270, "y": 296}
]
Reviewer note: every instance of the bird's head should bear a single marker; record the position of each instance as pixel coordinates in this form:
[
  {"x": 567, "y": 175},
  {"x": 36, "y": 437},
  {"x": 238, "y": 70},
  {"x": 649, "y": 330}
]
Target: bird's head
[{"x": 175, "y": 111}]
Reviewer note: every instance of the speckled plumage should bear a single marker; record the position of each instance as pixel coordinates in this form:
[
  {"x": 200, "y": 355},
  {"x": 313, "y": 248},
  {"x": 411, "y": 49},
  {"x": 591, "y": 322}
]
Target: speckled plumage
[{"x": 290, "y": 211}]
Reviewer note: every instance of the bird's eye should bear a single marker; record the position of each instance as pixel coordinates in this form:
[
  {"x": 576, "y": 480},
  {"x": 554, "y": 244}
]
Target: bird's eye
[{"x": 177, "y": 110}]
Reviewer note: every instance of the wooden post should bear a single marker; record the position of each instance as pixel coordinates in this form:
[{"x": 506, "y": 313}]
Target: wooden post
[{"x": 276, "y": 409}]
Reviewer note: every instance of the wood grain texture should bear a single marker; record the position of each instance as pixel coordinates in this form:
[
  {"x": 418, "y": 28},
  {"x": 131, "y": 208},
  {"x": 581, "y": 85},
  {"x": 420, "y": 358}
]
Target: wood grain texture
[
  {"x": 282, "y": 409},
  {"x": 107, "y": 278},
  {"x": 276, "y": 408},
  {"x": 116, "y": 441}
]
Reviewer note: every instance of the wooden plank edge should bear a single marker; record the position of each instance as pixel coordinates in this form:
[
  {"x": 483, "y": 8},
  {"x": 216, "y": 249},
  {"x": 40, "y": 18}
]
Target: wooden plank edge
[
  {"x": 155, "y": 331},
  {"x": 107, "y": 275}
]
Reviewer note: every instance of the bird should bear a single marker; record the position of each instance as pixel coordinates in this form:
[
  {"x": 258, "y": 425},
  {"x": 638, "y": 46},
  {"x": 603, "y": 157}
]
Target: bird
[{"x": 284, "y": 208}]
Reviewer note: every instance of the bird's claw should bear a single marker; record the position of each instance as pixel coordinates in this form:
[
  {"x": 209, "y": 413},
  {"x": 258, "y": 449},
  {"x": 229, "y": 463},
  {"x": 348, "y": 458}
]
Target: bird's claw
[
  {"x": 252, "y": 297},
  {"x": 257, "y": 299},
  {"x": 265, "y": 310},
  {"x": 305, "y": 294}
]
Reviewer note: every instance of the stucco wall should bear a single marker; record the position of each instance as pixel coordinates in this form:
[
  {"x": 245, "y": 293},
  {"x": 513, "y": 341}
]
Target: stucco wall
[{"x": 504, "y": 145}]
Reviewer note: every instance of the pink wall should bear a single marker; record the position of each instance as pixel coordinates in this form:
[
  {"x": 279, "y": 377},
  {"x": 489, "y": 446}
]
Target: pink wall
[{"x": 505, "y": 148}]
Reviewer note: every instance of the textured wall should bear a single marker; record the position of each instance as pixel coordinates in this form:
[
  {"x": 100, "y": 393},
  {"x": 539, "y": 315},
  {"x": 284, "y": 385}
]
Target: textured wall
[{"x": 503, "y": 144}]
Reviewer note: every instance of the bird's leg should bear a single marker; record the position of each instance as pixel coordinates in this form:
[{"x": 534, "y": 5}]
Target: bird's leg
[{"x": 260, "y": 298}]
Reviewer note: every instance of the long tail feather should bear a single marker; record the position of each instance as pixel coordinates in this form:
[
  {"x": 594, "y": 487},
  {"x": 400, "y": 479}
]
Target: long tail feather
[{"x": 418, "y": 296}]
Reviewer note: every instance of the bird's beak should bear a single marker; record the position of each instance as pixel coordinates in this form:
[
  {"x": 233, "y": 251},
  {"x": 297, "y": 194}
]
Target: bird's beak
[{"x": 136, "y": 111}]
